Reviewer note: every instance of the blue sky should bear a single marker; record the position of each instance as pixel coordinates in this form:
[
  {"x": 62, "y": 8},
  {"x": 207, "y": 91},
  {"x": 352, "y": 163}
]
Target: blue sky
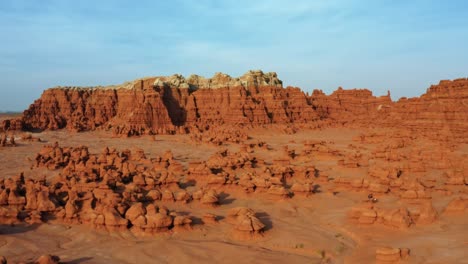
[{"x": 401, "y": 46}]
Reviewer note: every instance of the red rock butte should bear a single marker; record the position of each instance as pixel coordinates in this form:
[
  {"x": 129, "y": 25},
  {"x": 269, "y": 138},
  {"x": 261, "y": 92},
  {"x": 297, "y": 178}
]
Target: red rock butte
[{"x": 175, "y": 104}]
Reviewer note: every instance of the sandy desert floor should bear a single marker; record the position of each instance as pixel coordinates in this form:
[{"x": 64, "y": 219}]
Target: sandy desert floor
[{"x": 301, "y": 229}]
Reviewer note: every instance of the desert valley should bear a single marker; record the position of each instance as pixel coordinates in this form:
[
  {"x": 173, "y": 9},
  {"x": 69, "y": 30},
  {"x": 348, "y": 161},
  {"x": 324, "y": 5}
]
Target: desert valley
[{"x": 235, "y": 170}]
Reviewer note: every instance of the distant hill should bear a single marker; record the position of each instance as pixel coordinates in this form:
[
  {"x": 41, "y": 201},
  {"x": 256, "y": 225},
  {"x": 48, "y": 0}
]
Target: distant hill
[{"x": 10, "y": 113}]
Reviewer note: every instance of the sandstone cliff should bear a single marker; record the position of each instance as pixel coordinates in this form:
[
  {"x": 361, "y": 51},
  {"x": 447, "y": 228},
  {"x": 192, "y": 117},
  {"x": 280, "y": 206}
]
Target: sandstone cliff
[
  {"x": 442, "y": 112},
  {"x": 173, "y": 104},
  {"x": 160, "y": 104}
]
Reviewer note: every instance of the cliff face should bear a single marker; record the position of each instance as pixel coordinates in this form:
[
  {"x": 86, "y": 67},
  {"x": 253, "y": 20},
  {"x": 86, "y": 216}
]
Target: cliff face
[
  {"x": 442, "y": 112},
  {"x": 160, "y": 104},
  {"x": 356, "y": 107},
  {"x": 174, "y": 104}
]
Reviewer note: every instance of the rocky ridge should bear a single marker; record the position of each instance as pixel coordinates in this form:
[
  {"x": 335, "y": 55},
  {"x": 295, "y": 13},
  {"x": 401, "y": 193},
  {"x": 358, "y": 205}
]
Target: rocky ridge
[{"x": 175, "y": 104}]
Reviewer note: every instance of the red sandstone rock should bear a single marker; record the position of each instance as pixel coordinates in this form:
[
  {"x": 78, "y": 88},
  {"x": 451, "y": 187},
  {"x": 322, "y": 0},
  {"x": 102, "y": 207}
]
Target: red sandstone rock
[
  {"x": 158, "y": 104},
  {"x": 47, "y": 259},
  {"x": 457, "y": 205},
  {"x": 209, "y": 218},
  {"x": 182, "y": 222},
  {"x": 246, "y": 224},
  {"x": 157, "y": 220},
  {"x": 388, "y": 255},
  {"x": 175, "y": 104}
]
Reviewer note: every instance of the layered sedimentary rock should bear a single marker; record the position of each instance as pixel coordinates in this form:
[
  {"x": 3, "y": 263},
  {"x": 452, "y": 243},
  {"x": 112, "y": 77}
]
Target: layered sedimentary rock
[
  {"x": 442, "y": 112},
  {"x": 176, "y": 104},
  {"x": 160, "y": 104},
  {"x": 350, "y": 107}
]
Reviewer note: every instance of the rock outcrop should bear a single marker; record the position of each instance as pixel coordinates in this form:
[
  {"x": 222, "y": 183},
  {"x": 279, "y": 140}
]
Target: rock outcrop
[
  {"x": 246, "y": 224},
  {"x": 439, "y": 113},
  {"x": 175, "y": 104},
  {"x": 387, "y": 255},
  {"x": 161, "y": 104}
]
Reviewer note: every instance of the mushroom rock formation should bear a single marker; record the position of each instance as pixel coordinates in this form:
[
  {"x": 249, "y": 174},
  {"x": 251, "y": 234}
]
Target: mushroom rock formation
[
  {"x": 37, "y": 198},
  {"x": 210, "y": 198},
  {"x": 246, "y": 224},
  {"x": 389, "y": 255},
  {"x": 136, "y": 215},
  {"x": 157, "y": 219},
  {"x": 182, "y": 196},
  {"x": 209, "y": 219},
  {"x": 169, "y": 180},
  {"x": 113, "y": 220},
  {"x": 182, "y": 222},
  {"x": 398, "y": 218},
  {"x": 457, "y": 205},
  {"x": 47, "y": 259},
  {"x": 363, "y": 214},
  {"x": 217, "y": 180},
  {"x": 198, "y": 194},
  {"x": 154, "y": 195},
  {"x": 278, "y": 191},
  {"x": 367, "y": 214},
  {"x": 167, "y": 195},
  {"x": 236, "y": 211},
  {"x": 44, "y": 259}
]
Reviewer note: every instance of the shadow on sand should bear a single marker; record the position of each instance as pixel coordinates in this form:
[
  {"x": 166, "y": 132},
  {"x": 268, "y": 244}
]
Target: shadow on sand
[{"x": 16, "y": 229}]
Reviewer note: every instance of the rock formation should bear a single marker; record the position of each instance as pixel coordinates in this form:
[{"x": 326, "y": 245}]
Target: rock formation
[
  {"x": 175, "y": 104},
  {"x": 388, "y": 255},
  {"x": 161, "y": 104},
  {"x": 44, "y": 259},
  {"x": 246, "y": 224}
]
